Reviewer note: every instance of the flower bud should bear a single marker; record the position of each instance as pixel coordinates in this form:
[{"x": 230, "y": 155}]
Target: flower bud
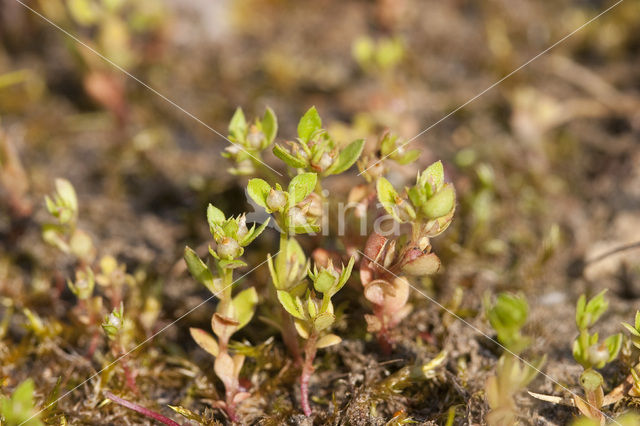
[
  {"x": 598, "y": 354},
  {"x": 297, "y": 217},
  {"x": 325, "y": 162},
  {"x": 229, "y": 248},
  {"x": 276, "y": 199},
  {"x": 113, "y": 323},
  {"x": 84, "y": 284},
  {"x": 255, "y": 138},
  {"x": 242, "y": 227}
]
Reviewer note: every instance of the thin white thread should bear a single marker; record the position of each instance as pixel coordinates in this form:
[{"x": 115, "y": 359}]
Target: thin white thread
[
  {"x": 477, "y": 330},
  {"x": 145, "y": 85},
  {"x": 144, "y": 342},
  {"x": 493, "y": 85}
]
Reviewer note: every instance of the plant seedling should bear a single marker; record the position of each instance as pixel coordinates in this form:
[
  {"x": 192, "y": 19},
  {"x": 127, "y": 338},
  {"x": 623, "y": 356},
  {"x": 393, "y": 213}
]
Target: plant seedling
[
  {"x": 507, "y": 315},
  {"x": 233, "y": 312},
  {"x": 249, "y": 141},
  {"x": 592, "y": 354},
  {"x": 20, "y": 409},
  {"x": 313, "y": 316},
  {"x": 428, "y": 206}
]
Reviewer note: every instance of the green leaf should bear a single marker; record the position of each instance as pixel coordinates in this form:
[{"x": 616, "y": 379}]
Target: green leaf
[
  {"x": 258, "y": 190},
  {"x": 215, "y": 216},
  {"x": 244, "y": 305},
  {"x": 67, "y": 193},
  {"x": 434, "y": 176},
  {"x": 613, "y": 343},
  {"x": 324, "y": 281},
  {"x": 408, "y": 157},
  {"x": 19, "y": 409},
  {"x": 272, "y": 272},
  {"x": 347, "y": 157},
  {"x": 301, "y": 186},
  {"x": 289, "y": 159},
  {"x": 254, "y": 233},
  {"x": 631, "y": 329},
  {"x": 323, "y": 321},
  {"x": 587, "y": 313},
  {"x": 238, "y": 125},
  {"x": 289, "y": 304},
  {"x": 387, "y": 196},
  {"x": 198, "y": 269},
  {"x": 205, "y": 340},
  {"x": 306, "y": 229},
  {"x": 440, "y": 204},
  {"x": 269, "y": 125},
  {"x": 309, "y": 124},
  {"x": 344, "y": 276},
  {"x": 231, "y": 263}
]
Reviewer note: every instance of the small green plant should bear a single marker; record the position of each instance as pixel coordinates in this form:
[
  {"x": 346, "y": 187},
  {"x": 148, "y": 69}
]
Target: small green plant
[
  {"x": 316, "y": 151},
  {"x": 20, "y": 409},
  {"x": 65, "y": 234},
  {"x": 118, "y": 332},
  {"x": 634, "y": 330},
  {"x": 428, "y": 206},
  {"x": 233, "y": 312},
  {"x": 592, "y": 354},
  {"x": 508, "y": 315},
  {"x": 249, "y": 142},
  {"x": 314, "y": 315}
]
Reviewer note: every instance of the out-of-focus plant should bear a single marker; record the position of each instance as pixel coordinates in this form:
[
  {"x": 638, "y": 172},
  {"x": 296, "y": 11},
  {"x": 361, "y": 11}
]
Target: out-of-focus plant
[
  {"x": 629, "y": 419},
  {"x": 14, "y": 183},
  {"x": 20, "y": 408},
  {"x": 118, "y": 331},
  {"x": 592, "y": 354},
  {"x": 66, "y": 236},
  {"x": 508, "y": 315},
  {"x": 428, "y": 206},
  {"x": 634, "y": 331},
  {"x": 129, "y": 34},
  {"x": 378, "y": 55},
  {"x": 249, "y": 142},
  {"x": 233, "y": 312}
]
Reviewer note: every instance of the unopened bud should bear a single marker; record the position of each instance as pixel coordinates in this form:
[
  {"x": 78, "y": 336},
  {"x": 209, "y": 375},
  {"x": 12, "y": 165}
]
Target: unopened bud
[
  {"x": 276, "y": 199},
  {"x": 255, "y": 139},
  {"x": 297, "y": 217},
  {"x": 242, "y": 227},
  {"x": 325, "y": 162},
  {"x": 598, "y": 354},
  {"x": 229, "y": 248}
]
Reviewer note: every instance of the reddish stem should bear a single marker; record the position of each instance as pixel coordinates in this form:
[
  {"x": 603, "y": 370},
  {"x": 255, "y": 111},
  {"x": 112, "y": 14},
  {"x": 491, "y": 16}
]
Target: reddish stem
[
  {"x": 290, "y": 337},
  {"x": 140, "y": 409},
  {"x": 307, "y": 371},
  {"x": 93, "y": 345},
  {"x": 385, "y": 342},
  {"x": 384, "y": 339},
  {"x": 231, "y": 406}
]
